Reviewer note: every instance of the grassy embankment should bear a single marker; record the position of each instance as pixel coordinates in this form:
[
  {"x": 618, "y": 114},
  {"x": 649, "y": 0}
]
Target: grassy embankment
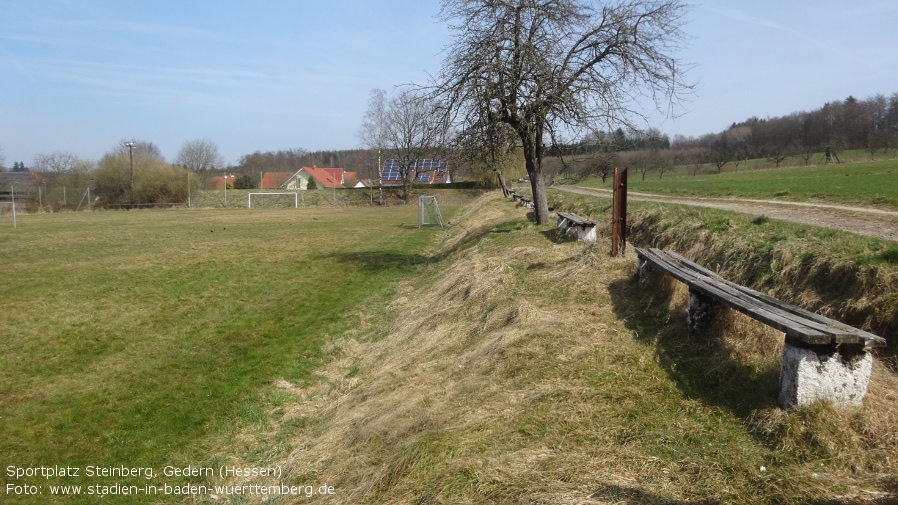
[
  {"x": 148, "y": 338},
  {"x": 515, "y": 366},
  {"x": 873, "y": 184},
  {"x": 521, "y": 367}
]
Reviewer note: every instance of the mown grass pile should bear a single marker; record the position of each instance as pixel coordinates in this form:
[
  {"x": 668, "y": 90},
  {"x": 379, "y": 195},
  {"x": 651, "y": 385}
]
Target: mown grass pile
[{"x": 520, "y": 367}]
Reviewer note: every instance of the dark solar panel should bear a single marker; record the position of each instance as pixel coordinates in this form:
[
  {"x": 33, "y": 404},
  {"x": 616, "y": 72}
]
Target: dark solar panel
[{"x": 392, "y": 171}]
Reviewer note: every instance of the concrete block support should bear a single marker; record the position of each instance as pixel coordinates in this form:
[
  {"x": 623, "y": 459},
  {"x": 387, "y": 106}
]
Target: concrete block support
[
  {"x": 582, "y": 233},
  {"x": 837, "y": 374},
  {"x": 703, "y": 311},
  {"x": 585, "y": 234},
  {"x": 643, "y": 271}
]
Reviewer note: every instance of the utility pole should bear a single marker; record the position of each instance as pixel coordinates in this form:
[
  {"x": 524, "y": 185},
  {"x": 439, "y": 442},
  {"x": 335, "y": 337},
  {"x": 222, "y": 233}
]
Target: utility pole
[{"x": 131, "y": 156}]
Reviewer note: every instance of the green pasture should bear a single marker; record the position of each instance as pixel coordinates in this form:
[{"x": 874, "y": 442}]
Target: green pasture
[
  {"x": 146, "y": 338},
  {"x": 872, "y": 184}
]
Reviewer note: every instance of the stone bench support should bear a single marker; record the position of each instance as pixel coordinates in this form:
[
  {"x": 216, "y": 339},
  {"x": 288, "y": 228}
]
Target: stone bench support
[
  {"x": 575, "y": 226},
  {"x": 823, "y": 359},
  {"x": 837, "y": 374}
]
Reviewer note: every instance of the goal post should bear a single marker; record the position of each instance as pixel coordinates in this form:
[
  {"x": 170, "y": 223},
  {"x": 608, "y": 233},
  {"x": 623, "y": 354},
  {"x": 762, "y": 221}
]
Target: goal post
[
  {"x": 429, "y": 212},
  {"x": 9, "y": 198},
  {"x": 249, "y": 197}
]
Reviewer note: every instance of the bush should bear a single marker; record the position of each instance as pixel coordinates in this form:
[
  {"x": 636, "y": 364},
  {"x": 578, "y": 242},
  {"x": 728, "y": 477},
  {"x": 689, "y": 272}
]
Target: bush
[
  {"x": 245, "y": 181},
  {"x": 155, "y": 182}
]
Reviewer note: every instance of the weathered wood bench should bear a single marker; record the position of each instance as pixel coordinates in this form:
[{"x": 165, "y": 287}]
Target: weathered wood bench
[
  {"x": 823, "y": 359},
  {"x": 574, "y": 225}
]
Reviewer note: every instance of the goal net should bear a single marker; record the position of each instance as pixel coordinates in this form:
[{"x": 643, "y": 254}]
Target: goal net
[
  {"x": 429, "y": 212},
  {"x": 281, "y": 199}
]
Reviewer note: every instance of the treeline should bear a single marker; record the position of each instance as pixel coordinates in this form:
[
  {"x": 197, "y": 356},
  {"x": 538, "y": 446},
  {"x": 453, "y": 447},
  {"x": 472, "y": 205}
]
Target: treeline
[
  {"x": 870, "y": 124},
  {"x": 851, "y": 124}
]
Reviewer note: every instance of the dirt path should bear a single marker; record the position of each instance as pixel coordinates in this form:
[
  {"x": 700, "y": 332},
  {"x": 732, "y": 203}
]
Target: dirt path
[{"x": 861, "y": 220}]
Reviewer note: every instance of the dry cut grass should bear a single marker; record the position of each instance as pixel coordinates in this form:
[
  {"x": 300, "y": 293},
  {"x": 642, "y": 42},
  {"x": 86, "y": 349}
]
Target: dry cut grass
[{"x": 521, "y": 368}]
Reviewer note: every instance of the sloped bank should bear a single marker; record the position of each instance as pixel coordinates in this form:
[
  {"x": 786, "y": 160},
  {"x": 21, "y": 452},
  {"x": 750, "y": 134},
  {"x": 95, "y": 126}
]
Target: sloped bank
[
  {"x": 843, "y": 276},
  {"x": 524, "y": 368}
]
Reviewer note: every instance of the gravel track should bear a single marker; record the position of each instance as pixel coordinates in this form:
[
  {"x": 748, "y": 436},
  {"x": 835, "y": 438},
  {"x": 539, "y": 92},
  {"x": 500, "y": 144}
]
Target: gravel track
[{"x": 862, "y": 220}]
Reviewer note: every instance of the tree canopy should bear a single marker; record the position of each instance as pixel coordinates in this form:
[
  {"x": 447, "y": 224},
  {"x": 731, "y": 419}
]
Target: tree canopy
[{"x": 547, "y": 68}]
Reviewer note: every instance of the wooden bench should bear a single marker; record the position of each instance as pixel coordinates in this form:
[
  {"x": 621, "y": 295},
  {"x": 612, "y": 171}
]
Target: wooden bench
[
  {"x": 574, "y": 225},
  {"x": 823, "y": 359}
]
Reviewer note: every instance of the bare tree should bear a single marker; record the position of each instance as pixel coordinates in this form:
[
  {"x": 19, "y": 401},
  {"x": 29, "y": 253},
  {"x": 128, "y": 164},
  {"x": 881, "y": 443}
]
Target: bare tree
[
  {"x": 2, "y": 159},
  {"x": 58, "y": 162},
  {"x": 373, "y": 131},
  {"x": 199, "y": 155},
  {"x": 416, "y": 128},
  {"x": 492, "y": 151},
  {"x": 602, "y": 162},
  {"x": 663, "y": 162},
  {"x": 142, "y": 149},
  {"x": 544, "y": 67}
]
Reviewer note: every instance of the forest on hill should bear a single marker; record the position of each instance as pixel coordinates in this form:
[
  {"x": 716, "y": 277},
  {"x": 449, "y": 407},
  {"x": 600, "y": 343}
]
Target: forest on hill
[{"x": 869, "y": 124}]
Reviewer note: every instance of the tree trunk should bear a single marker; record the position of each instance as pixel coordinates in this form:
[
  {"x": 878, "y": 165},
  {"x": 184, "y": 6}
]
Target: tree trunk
[
  {"x": 533, "y": 162},
  {"x": 502, "y": 185},
  {"x": 540, "y": 204}
]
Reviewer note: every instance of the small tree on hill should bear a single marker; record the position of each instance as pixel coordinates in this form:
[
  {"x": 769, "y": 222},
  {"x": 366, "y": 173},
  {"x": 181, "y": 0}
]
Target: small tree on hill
[{"x": 417, "y": 128}]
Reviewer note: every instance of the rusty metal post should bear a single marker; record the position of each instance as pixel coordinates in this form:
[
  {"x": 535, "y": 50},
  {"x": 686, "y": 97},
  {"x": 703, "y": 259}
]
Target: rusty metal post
[{"x": 619, "y": 213}]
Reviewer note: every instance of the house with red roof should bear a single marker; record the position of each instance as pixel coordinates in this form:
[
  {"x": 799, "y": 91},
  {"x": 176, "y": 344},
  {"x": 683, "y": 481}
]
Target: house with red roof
[
  {"x": 274, "y": 180},
  {"x": 322, "y": 177},
  {"x": 219, "y": 182}
]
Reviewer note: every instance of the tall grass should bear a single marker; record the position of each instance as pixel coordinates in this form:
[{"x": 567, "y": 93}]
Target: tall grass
[{"x": 528, "y": 368}]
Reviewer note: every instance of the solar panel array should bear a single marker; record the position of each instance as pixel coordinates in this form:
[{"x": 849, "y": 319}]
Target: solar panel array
[
  {"x": 392, "y": 171},
  {"x": 423, "y": 170}
]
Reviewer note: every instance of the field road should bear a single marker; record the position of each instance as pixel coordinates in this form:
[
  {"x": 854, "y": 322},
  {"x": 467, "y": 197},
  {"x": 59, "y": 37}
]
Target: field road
[{"x": 861, "y": 220}]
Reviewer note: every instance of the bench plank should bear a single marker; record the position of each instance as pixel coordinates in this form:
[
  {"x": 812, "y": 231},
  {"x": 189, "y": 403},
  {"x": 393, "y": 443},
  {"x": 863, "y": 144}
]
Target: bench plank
[
  {"x": 793, "y": 321},
  {"x": 838, "y": 332},
  {"x": 842, "y": 333},
  {"x": 707, "y": 286},
  {"x": 574, "y": 218}
]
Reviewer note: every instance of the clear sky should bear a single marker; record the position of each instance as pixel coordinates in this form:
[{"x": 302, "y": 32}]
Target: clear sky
[{"x": 82, "y": 75}]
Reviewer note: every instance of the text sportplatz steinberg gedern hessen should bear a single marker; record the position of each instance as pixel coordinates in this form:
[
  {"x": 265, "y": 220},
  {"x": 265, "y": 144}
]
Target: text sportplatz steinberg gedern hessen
[{"x": 104, "y": 480}]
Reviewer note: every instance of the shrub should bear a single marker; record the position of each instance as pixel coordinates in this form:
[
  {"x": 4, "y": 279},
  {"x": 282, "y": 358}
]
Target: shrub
[{"x": 154, "y": 181}]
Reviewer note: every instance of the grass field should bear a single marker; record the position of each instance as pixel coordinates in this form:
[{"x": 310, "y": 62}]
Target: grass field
[
  {"x": 146, "y": 338},
  {"x": 872, "y": 184},
  {"x": 494, "y": 362}
]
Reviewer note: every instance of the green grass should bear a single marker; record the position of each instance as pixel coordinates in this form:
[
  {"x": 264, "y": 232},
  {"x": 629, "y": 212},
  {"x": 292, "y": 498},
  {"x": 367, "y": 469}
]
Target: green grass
[
  {"x": 872, "y": 184},
  {"x": 146, "y": 338}
]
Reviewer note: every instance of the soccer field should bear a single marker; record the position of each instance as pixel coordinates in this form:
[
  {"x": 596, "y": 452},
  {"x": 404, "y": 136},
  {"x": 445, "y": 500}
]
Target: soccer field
[{"x": 147, "y": 339}]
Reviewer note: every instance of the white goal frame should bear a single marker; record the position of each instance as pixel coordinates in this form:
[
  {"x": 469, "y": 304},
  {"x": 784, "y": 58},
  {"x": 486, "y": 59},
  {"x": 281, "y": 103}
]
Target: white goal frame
[
  {"x": 249, "y": 197},
  {"x": 12, "y": 203},
  {"x": 429, "y": 212}
]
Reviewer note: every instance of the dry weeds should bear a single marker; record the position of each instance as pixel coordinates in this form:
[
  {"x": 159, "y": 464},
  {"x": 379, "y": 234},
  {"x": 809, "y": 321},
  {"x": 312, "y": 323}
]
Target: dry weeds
[{"x": 516, "y": 375}]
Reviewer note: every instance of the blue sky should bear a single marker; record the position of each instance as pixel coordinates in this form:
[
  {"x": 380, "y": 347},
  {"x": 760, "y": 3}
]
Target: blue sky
[{"x": 81, "y": 75}]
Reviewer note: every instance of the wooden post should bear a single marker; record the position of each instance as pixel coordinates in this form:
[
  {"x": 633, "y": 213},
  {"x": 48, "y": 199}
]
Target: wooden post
[{"x": 619, "y": 213}]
